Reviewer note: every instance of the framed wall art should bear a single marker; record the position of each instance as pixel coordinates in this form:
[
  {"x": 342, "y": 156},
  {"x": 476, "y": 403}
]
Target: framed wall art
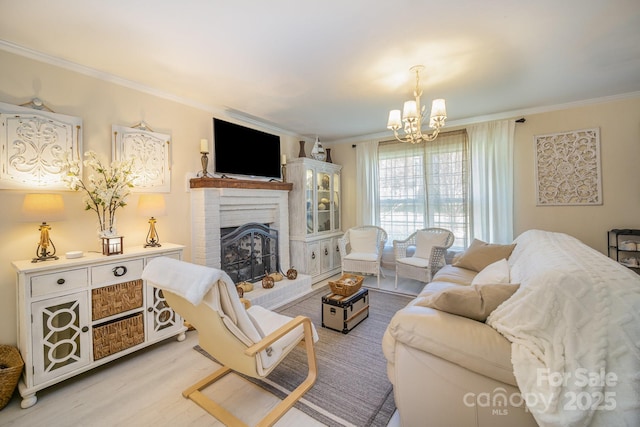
[
  {"x": 150, "y": 153},
  {"x": 568, "y": 168},
  {"x": 31, "y": 145}
]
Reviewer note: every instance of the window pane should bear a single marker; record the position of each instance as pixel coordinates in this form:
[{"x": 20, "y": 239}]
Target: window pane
[
  {"x": 402, "y": 190},
  {"x": 425, "y": 185}
]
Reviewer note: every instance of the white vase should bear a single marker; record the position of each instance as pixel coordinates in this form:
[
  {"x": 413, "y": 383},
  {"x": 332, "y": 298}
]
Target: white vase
[{"x": 318, "y": 152}]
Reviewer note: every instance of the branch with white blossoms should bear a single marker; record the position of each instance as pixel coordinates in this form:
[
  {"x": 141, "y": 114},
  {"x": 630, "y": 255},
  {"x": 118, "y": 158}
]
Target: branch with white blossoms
[{"x": 107, "y": 186}]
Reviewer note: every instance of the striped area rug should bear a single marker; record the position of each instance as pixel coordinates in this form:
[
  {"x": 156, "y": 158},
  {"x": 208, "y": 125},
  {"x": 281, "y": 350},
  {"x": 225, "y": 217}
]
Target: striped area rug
[{"x": 352, "y": 388}]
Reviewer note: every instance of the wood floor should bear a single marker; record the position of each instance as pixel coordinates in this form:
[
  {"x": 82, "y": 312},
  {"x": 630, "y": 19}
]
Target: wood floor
[{"x": 144, "y": 389}]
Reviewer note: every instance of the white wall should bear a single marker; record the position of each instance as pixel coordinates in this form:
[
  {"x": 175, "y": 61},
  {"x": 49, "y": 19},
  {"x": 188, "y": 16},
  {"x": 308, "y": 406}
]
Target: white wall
[
  {"x": 100, "y": 104},
  {"x": 619, "y": 123}
]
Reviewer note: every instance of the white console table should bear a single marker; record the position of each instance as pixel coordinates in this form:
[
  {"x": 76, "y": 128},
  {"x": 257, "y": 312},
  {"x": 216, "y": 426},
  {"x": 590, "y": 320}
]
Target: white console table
[{"x": 76, "y": 314}]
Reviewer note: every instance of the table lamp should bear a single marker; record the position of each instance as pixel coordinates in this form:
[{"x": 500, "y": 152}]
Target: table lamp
[
  {"x": 43, "y": 207},
  {"x": 152, "y": 205}
]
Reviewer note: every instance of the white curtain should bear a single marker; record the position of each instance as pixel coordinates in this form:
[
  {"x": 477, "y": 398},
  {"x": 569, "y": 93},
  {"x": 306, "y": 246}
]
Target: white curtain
[
  {"x": 492, "y": 180},
  {"x": 367, "y": 178}
]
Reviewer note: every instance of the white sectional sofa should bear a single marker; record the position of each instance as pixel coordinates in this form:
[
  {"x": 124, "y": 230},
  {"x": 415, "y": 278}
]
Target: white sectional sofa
[{"x": 568, "y": 337}]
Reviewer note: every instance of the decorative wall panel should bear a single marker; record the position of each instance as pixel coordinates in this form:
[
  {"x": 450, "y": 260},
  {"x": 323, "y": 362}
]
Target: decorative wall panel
[
  {"x": 31, "y": 145},
  {"x": 568, "y": 168},
  {"x": 150, "y": 152}
]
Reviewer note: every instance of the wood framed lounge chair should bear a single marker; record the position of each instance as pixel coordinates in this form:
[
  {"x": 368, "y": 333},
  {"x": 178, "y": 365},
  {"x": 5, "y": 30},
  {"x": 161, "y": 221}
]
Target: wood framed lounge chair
[{"x": 249, "y": 341}]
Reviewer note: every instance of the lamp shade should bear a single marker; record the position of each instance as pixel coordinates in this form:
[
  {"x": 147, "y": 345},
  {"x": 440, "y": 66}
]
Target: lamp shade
[
  {"x": 394, "y": 120},
  {"x": 410, "y": 110},
  {"x": 438, "y": 109},
  {"x": 151, "y": 205},
  {"x": 43, "y": 207}
]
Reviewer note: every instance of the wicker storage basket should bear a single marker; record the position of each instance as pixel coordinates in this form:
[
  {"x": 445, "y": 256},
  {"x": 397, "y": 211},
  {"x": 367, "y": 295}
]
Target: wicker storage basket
[
  {"x": 346, "y": 285},
  {"x": 115, "y": 299},
  {"x": 11, "y": 365},
  {"x": 118, "y": 335}
]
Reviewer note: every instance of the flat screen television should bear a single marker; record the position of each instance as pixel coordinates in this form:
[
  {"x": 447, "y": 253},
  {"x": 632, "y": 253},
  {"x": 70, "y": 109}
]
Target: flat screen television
[{"x": 239, "y": 150}]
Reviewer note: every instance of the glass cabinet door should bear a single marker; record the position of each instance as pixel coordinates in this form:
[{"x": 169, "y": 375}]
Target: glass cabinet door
[
  {"x": 335, "y": 205},
  {"x": 60, "y": 336},
  {"x": 310, "y": 201},
  {"x": 324, "y": 201},
  {"x": 162, "y": 320}
]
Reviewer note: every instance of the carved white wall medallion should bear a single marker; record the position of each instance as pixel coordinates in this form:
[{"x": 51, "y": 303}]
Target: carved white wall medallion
[
  {"x": 150, "y": 152},
  {"x": 568, "y": 168},
  {"x": 31, "y": 143}
]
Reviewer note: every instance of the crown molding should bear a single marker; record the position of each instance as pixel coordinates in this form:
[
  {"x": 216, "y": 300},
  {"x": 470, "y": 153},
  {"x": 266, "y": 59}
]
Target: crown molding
[
  {"x": 384, "y": 136},
  {"x": 256, "y": 121},
  {"x": 101, "y": 75}
]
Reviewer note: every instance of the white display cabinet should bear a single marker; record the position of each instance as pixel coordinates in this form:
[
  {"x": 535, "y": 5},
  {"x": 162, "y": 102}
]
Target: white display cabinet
[{"x": 314, "y": 217}]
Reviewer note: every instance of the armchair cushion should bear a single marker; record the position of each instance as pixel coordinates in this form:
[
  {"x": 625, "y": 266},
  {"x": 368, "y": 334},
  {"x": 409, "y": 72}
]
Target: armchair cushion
[
  {"x": 480, "y": 254},
  {"x": 426, "y": 240},
  {"x": 498, "y": 272},
  {"x": 364, "y": 241},
  {"x": 475, "y": 302},
  {"x": 414, "y": 261},
  {"x": 362, "y": 256}
]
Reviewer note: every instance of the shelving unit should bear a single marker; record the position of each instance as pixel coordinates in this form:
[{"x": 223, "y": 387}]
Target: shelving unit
[
  {"x": 314, "y": 217},
  {"x": 624, "y": 247}
]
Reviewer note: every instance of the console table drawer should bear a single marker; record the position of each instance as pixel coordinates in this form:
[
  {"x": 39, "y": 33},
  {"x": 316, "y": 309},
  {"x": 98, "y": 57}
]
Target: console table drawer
[
  {"x": 60, "y": 281},
  {"x": 117, "y": 272}
]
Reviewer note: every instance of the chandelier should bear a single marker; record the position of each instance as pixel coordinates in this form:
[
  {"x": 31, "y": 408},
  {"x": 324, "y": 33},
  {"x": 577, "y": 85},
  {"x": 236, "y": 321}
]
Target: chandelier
[{"x": 413, "y": 116}]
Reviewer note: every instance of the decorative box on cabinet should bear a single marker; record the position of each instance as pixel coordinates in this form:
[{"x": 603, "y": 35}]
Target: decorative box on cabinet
[
  {"x": 314, "y": 217},
  {"x": 76, "y": 314},
  {"x": 624, "y": 246}
]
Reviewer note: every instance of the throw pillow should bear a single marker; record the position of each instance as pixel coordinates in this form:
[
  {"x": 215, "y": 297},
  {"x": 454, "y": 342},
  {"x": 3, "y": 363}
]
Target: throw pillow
[
  {"x": 426, "y": 240},
  {"x": 481, "y": 254},
  {"x": 474, "y": 302},
  {"x": 364, "y": 241},
  {"x": 498, "y": 272}
]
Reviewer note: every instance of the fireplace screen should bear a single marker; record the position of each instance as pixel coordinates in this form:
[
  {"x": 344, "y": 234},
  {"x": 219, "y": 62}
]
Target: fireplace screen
[{"x": 249, "y": 252}]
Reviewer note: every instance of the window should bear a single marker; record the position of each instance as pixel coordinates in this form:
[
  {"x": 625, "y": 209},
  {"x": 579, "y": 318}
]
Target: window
[
  {"x": 402, "y": 189},
  {"x": 425, "y": 185}
]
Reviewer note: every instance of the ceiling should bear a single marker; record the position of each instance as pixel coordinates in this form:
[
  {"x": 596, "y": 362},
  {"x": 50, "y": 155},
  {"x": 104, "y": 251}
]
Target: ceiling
[{"x": 334, "y": 68}]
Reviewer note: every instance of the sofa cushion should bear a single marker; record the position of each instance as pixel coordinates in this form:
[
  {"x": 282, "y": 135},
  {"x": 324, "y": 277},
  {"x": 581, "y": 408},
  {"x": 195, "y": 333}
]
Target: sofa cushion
[
  {"x": 433, "y": 287},
  {"x": 473, "y": 345},
  {"x": 457, "y": 275},
  {"x": 480, "y": 254},
  {"x": 498, "y": 272},
  {"x": 364, "y": 241},
  {"x": 475, "y": 302},
  {"x": 426, "y": 240}
]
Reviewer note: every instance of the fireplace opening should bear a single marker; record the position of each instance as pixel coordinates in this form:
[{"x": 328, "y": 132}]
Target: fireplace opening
[{"x": 249, "y": 252}]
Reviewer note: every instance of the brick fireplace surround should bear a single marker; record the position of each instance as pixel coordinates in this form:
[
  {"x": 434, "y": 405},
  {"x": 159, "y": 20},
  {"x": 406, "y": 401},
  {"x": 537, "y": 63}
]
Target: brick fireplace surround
[{"x": 220, "y": 203}]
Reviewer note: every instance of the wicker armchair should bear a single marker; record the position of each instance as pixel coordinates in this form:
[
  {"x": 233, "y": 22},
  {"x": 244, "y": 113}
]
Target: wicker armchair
[
  {"x": 361, "y": 250},
  {"x": 419, "y": 267}
]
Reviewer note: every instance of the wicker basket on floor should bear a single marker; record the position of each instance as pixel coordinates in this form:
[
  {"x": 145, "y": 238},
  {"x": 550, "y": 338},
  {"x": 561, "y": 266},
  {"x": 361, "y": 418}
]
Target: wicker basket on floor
[
  {"x": 11, "y": 365},
  {"x": 346, "y": 285}
]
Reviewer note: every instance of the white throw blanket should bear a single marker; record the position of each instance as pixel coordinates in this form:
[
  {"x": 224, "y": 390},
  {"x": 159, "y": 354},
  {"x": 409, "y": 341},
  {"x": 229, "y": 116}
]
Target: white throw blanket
[
  {"x": 190, "y": 281},
  {"x": 574, "y": 325}
]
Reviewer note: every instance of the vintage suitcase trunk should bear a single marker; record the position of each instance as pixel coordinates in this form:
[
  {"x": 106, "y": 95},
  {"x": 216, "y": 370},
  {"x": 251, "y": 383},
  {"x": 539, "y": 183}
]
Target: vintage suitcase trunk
[{"x": 344, "y": 313}]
